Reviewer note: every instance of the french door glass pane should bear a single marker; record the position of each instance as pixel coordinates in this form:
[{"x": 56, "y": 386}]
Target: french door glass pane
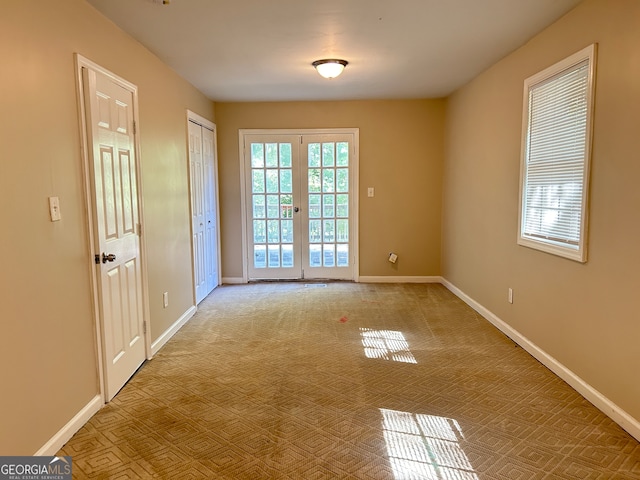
[
  {"x": 258, "y": 181},
  {"x": 328, "y": 173},
  {"x": 274, "y": 256},
  {"x": 343, "y": 255},
  {"x": 329, "y": 257},
  {"x": 315, "y": 255},
  {"x": 259, "y": 210},
  {"x": 257, "y": 155},
  {"x": 342, "y": 209},
  {"x": 342, "y": 230},
  {"x": 273, "y": 206},
  {"x": 315, "y": 231},
  {"x": 343, "y": 154},
  {"x": 314, "y": 206},
  {"x": 272, "y": 155},
  {"x": 342, "y": 183},
  {"x": 287, "y": 256},
  {"x": 260, "y": 256},
  {"x": 259, "y": 231},
  {"x": 328, "y": 154},
  {"x": 286, "y": 181},
  {"x": 314, "y": 180},
  {"x": 328, "y": 206},
  {"x": 314, "y": 155},
  {"x": 328, "y": 180},
  {"x": 285, "y": 155},
  {"x": 287, "y": 231}
]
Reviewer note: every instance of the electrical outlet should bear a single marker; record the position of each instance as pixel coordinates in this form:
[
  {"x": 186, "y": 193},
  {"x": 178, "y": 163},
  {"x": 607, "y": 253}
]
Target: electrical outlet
[
  {"x": 165, "y": 299},
  {"x": 510, "y": 295}
]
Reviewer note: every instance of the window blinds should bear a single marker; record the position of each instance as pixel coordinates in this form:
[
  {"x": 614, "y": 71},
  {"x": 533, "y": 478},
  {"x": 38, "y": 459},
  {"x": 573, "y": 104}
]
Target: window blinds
[{"x": 555, "y": 158}]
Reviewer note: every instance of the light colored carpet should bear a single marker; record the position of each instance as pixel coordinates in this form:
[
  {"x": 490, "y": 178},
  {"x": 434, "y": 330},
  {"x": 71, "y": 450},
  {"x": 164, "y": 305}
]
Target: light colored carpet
[{"x": 347, "y": 381}]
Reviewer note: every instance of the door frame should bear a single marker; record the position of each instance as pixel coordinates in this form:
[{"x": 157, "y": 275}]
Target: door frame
[
  {"x": 353, "y": 171},
  {"x": 203, "y": 122},
  {"x": 85, "y": 149}
]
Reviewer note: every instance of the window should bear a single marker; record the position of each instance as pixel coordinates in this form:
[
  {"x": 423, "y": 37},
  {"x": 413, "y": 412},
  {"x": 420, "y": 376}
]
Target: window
[{"x": 556, "y": 146}]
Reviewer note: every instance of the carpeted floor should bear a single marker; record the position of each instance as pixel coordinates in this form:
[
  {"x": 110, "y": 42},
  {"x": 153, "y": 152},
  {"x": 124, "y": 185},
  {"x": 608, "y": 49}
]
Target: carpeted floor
[{"x": 347, "y": 381}]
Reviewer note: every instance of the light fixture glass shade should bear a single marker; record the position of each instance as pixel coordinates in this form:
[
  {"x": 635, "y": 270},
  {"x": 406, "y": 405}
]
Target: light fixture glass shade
[{"x": 330, "y": 68}]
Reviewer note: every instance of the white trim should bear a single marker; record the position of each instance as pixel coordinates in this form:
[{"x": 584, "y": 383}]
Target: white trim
[
  {"x": 203, "y": 122},
  {"x": 88, "y": 204},
  {"x": 173, "y": 329},
  {"x": 399, "y": 279},
  {"x": 609, "y": 408},
  {"x": 243, "y": 208},
  {"x": 358, "y": 279},
  {"x": 557, "y": 248},
  {"x": 63, "y": 435}
]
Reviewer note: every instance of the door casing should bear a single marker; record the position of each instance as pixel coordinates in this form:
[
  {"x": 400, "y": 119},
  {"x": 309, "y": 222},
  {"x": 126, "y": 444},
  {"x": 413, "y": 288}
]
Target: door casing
[
  {"x": 86, "y": 147},
  {"x": 301, "y": 132}
]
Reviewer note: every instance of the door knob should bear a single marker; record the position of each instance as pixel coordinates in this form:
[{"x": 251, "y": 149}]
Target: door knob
[
  {"x": 108, "y": 258},
  {"x": 296, "y": 209}
]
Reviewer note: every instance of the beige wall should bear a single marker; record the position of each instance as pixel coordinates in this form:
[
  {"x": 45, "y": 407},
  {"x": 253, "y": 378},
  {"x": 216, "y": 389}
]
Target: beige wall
[
  {"x": 401, "y": 153},
  {"x": 47, "y": 355},
  {"x": 584, "y": 315}
]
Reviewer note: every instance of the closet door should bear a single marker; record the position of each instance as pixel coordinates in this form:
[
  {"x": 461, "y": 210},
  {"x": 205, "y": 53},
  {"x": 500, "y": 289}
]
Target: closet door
[
  {"x": 210, "y": 210},
  {"x": 204, "y": 209}
]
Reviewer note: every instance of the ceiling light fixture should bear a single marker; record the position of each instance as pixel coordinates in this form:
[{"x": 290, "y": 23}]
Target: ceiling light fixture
[{"x": 330, "y": 67}]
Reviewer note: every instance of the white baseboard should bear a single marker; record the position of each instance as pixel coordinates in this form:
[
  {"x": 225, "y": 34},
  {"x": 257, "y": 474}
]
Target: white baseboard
[
  {"x": 408, "y": 279},
  {"x": 171, "y": 331},
  {"x": 56, "y": 442},
  {"x": 361, "y": 279},
  {"x": 609, "y": 408}
]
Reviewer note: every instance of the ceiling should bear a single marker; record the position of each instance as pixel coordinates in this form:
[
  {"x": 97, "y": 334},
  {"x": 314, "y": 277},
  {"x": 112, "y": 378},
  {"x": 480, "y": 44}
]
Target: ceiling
[{"x": 261, "y": 50}]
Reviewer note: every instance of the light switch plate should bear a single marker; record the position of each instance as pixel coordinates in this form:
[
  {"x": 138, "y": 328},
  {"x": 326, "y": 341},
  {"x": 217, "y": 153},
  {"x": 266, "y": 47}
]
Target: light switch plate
[{"x": 54, "y": 209}]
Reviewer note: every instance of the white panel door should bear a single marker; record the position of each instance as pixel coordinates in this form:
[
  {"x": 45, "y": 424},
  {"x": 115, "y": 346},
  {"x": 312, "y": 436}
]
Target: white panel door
[
  {"x": 198, "y": 210},
  {"x": 210, "y": 209},
  {"x": 115, "y": 201},
  {"x": 203, "y": 209}
]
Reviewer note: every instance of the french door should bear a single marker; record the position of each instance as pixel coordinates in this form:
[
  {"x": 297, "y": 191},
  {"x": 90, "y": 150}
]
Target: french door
[{"x": 300, "y": 205}]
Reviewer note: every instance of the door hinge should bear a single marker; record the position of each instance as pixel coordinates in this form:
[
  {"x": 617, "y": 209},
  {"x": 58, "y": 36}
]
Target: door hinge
[
  {"x": 144, "y": 327},
  {"x": 139, "y": 229},
  {"x": 135, "y": 128},
  {"x": 96, "y": 258}
]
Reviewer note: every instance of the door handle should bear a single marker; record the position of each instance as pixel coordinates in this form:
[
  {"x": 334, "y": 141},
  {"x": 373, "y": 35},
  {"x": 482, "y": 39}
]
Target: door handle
[{"x": 108, "y": 258}]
